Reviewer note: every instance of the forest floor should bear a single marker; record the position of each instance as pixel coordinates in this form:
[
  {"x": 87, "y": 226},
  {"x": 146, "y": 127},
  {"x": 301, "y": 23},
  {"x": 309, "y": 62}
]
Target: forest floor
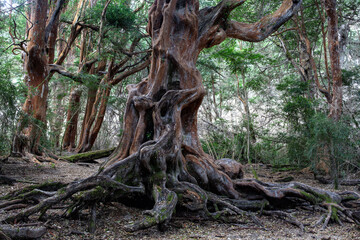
[{"x": 112, "y": 218}]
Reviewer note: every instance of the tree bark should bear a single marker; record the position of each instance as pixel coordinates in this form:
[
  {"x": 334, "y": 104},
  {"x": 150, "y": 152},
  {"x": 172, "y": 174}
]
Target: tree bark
[
  {"x": 40, "y": 51},
  {"x": 334, "y": 50},
  {"x": 72, "y": 120},
  {"x": 160, "y": 128},
  {"x": 33, "y": 122}
]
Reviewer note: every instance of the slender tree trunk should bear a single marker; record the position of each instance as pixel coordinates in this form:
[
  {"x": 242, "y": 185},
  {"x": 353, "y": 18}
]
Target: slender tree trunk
[
  {"x": 57, "y": 122},
  {"x": 96, "y": 115},
  {"x": 69, "y": 139},
  {"x": 336, "y": 103},
  {"x": 91, "y": 108},
  {"x": 72, "y": 119},
  {"x": 91, "y": 96},
  {"x": 334, "y": 50},
  {"x": 248, "y": 119}
]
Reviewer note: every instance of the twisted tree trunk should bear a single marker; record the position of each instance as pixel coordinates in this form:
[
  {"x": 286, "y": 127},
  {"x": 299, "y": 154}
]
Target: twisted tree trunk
[{"x": 161, "y": 112}]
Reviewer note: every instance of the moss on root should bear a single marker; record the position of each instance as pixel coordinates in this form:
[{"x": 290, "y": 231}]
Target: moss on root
[{"x": 315, "y": 197}]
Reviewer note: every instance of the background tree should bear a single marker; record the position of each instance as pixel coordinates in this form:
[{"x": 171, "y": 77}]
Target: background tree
[{"x": 40, "y": 51}]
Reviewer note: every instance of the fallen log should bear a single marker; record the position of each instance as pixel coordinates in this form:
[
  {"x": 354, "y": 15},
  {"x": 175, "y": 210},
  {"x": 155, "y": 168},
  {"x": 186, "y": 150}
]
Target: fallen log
[{"x": 88, "y": 156}]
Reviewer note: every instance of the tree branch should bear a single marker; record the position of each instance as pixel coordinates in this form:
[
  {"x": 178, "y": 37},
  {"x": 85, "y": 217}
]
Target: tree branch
[
  {"x": 256, "y": 32},
  {"x": 53, "y": 18},
  {"x": 93, "y": 27},
  {"x": 214, "y": 26},
  {"x": 126, "y": 74},
  {"x": 61, "y": 70}
]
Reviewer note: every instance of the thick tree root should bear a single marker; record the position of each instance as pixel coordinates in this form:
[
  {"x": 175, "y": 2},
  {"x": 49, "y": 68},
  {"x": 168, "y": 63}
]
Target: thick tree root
[
  {"x": 168, "y": 193},
  {"x": 261, "y": 196},
  {"x": 165, "y": 203},
  {"x": 71, "y": 189},
  {"x": 344, "y": 182}
]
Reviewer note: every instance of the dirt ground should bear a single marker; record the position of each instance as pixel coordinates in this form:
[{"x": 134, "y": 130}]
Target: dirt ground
[{"x": 112, "y": 218}]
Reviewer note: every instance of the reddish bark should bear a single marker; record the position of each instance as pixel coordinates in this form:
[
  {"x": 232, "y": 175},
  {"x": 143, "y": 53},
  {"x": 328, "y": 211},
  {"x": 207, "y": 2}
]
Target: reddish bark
[
  {"x": 72, "y": 119},
  {"x": 92, "y": 124},
  {"x": 40, "y": 51},
  {"x": 334, "y": 50},
  {"x": 96, "y": 112},
  {"x": 34, "y": 108},
  {"x": 91, "y": 100},
  {"x": 160, "y": 127}
]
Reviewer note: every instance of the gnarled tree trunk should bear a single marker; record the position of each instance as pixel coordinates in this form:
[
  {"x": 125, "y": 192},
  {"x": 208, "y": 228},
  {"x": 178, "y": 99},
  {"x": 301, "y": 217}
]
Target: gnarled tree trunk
[{"x": 160, "y": 131}]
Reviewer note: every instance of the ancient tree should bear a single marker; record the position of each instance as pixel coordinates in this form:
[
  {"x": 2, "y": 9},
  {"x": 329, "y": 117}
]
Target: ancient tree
[{"x": 160, "y": 160}]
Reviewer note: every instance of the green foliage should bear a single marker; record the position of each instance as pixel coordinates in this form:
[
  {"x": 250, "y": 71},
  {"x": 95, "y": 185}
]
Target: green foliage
[
  {"x": 239, "y": 60},
  {"x": 7, "y": 110},
  {"x": 328, "y": 138},
  {"x": 298, "y": 106},
  {"x": 351, "y": 76},
  {"x": 10, "y": 96},
  {"x": 118, "y": 14}
]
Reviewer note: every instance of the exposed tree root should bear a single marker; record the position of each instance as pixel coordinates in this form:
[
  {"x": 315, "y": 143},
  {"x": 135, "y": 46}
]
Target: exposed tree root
[
  {"x": 165, "y": 203},
  {"x": 266, "y": 197}
]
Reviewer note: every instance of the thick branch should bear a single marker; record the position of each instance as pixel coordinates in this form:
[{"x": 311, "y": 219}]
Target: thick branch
[
  {"x": 256, "y": 32},
  {"x": 214, "y": 26}
]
